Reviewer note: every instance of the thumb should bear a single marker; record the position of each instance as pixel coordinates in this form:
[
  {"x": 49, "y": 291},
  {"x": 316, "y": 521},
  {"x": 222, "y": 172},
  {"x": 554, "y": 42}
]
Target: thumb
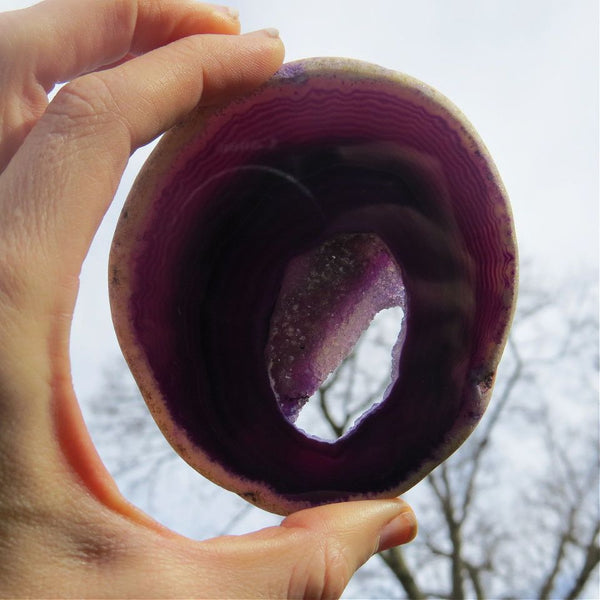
[{"x": 314, "y": 552}]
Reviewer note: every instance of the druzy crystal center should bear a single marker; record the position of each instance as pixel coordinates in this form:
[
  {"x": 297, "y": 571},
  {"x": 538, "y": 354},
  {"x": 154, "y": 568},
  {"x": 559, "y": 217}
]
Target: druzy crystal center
[{"x": 329, "y": 296}]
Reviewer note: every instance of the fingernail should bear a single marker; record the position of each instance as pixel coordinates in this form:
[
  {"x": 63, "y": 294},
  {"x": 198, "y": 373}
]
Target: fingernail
[
  {"x": 232, "y": 13},
  {"x": 400, "y": 530},
  {"x": 271, "y": 32}
]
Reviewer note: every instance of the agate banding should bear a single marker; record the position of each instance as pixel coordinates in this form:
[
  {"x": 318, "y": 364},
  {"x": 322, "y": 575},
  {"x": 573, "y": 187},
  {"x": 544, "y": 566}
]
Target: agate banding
[{"x": 231, "y": 308}]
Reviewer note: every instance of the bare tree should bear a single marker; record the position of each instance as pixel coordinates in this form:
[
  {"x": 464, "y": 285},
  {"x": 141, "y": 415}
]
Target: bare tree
[{"x": 512, "y": 514}]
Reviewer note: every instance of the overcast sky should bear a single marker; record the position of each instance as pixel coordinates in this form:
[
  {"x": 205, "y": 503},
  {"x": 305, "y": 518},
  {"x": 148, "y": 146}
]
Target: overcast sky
[{"x": 525, "y": 72}]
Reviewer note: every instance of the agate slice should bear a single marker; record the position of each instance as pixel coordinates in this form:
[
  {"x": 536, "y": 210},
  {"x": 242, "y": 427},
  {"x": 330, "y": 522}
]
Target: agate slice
[{"x": 259, "y": 241}]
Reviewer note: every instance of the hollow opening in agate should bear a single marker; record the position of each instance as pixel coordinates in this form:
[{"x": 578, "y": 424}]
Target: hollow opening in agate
[
  {"x": 328, "y": 300},
  {"x": 358, "y": 384}
]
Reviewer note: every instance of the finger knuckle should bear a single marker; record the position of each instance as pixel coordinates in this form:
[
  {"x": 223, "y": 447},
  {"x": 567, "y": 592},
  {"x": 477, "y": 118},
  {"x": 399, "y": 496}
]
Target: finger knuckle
[
  {"x": 322, "y": 574},
  {"x": 85, "y": 104},
  {"x": 337, "y": 571},
  {"x": 83, "y": 97},
  {"x": 186, "y": 53},
  {"x": 216, "y": 73}
]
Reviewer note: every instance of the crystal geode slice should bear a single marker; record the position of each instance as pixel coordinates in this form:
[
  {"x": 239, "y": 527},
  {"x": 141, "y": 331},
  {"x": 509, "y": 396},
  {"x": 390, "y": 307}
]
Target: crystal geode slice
[{"x": 259, "y": 240}]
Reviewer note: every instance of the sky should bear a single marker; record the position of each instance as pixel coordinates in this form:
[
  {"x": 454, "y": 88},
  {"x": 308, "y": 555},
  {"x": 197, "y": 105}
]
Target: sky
[{"x": 524, "y": 72}]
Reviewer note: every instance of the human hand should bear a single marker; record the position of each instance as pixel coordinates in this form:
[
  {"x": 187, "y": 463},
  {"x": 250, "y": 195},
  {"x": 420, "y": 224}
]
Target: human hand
[{"x": 135, "y": 69}]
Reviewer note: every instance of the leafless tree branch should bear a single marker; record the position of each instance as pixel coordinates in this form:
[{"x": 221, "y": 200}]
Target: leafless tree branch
[
  {"x": 394, "y": 559},
  {"x": 590, "y": 562},
  {"x": 338, "y": 430},
  {"x": 559, "y": 555}
]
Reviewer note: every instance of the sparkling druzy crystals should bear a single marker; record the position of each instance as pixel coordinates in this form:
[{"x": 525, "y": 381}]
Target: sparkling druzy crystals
[
  {"x": 328, "y": 298},
  {"x": 257, "y": 243}
]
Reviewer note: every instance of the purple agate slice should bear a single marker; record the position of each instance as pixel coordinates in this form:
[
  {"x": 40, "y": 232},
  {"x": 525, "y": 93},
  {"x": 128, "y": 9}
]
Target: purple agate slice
[{"x": 259, "y": 241}]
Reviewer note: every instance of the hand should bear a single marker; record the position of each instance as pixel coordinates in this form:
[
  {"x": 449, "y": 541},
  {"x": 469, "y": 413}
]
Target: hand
[{"x": 134, "y": 69}]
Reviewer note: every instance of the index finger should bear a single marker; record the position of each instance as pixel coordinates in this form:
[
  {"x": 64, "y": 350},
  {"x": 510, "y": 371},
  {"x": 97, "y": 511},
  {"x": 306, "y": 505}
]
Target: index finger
[{"x": 61, "y": 39}]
